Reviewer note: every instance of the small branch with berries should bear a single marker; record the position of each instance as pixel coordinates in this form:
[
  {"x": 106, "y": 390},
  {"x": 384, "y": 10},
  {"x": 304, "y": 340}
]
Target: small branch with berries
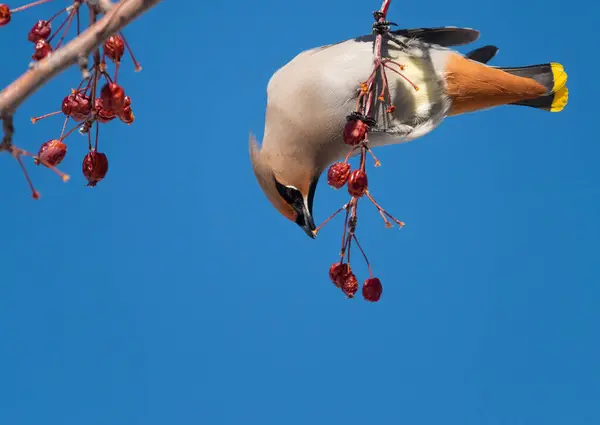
[
  {"x": 340, "y": 174},
  {"x": 98, "y": 99}
]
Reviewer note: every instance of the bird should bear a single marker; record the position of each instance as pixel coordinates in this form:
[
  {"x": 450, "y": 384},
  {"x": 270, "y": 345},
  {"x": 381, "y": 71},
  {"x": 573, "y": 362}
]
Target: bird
[{"x": 310, "y": 97}]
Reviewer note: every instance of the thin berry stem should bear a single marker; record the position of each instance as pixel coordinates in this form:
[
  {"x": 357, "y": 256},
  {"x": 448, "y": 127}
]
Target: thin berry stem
[
  {"x": 377, "y": 163},
  {"x": 351, "y": 152},
  {"x": 78, "y": 22},
  {"x": 56, "y": 15},
  {"x": 69, "y": 132},
  {"x": 343, "y": 207},
  {"x": 382, "y": 210},
  {"x": 363, "y": 157},
  {"x": 117, "y": 70},
  {"x": 66, "y": 31},
  {"x": 97, "y": 134},
  {"x": 67, "y": 19},
  {"x": 34, "y": 193},
  {"x": 403, "y": 76},
  {"x": 27, "y": 6},
  {"x": 136, "y": 64},
  {"x": 342, "y": 252},
  {"x": 64, "y": 127},
  {"x": 364, "y": 255},
  {"x": 51, "y": 114},
  {"x": 399, "y": 65}
]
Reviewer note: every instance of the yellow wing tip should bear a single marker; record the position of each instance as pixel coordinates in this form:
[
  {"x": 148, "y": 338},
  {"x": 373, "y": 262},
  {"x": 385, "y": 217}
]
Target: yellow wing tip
[
  {"x": 560, "y": 76},
  {"x": 561, "y": 98}
]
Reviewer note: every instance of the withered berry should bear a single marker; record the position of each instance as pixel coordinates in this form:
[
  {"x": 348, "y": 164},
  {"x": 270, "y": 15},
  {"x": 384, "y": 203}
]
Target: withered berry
[
  {"x": 42, "y": 49},
  {"x": 113, "y": 97},
  {"x": 95, "y": 167},
  {"x": 338, "y": 174},
  {"x": 114, "y": 48},
  {"x": 338, "y": 272},
  {"x": 358, "y": 183},
  {"x": 350, "y": 285},
  {"x": 126, "y": 113},
  {"x": 103, "y": 115},
  {"x": 372, "y": 289},
  {"x": 4, "y": 14},
  {"x": 52, "y": 152},
  {"x": 354, "y": 132},
  {"x": 40, "y": 31},
  {"x": 77, "y": 106}
]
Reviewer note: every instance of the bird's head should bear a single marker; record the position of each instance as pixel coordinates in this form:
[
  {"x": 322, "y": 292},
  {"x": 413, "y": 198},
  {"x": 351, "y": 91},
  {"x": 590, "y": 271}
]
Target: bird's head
[{"x": 288, "y": 184}]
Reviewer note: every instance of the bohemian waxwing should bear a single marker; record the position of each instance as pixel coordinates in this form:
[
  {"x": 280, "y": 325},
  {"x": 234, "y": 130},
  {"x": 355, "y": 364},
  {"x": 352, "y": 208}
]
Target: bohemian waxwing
[{"x": 309, "y": 99}]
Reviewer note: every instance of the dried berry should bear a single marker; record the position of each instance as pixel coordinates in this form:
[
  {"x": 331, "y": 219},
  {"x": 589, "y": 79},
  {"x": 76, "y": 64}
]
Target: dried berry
[
  {"x": 52, "y": 152},
  {"x": 355, "y": 132},
  {"x": 350, "y": 285},
  {"x": 42, "y": 50},
  {"x": 338, "y": 174},
  {"x": 103, "y": 115},
  {"x": 372, "y": 289},
  {"x": 114, "y": 48},
  {"x": 358, "y": 183},
  {"x": 126, "y": 114},
  {"x": 77, "y": 106},
  {"x": 113, "y": 97},
  {"x": 40, "y": 31},
  {"x": 4, "y": 15},
  {"x": 95, "y": 167},
  {"x": 338, "y": 272}
]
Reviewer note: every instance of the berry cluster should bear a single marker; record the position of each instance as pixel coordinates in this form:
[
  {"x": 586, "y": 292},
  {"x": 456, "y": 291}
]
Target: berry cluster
[
  {"x": 340, "y": 174},
  {"x": 98, "y": 99}
]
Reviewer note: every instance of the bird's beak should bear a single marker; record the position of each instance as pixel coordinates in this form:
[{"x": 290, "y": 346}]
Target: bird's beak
[
  {"x": 305, "y": 220},
  {"x": 309, "y": 224},
  {"x": 304, "y": 217}
]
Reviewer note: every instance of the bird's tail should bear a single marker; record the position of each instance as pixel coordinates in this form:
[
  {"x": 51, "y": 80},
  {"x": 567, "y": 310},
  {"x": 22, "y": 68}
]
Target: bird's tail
[{"x": 553, "y": 77}]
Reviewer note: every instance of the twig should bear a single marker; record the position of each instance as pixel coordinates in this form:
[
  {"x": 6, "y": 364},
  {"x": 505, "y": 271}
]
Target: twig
[
  {"x": 113, "y": 21},
  {"x": 8, "y": 129}
]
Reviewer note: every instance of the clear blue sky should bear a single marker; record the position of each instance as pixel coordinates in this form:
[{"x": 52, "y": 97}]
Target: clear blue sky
[{"x": 173, "y": 293}]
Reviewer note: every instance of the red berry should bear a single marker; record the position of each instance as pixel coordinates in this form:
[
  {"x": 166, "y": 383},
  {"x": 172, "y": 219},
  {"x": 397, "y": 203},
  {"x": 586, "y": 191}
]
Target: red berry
[
  {"x": 95, "y": 167},
  {"x": 42, "y": 50},
  {"x": 354, "y": 132},
  {"x": 350, "y": 285},
  {"x": 126, "y": 114},
  {"x": 40, "y": 31},
  {"x": 338, "y": 272},
  {"x": 77, "y": 106},
  {"x": 4, "y": 14},
  {"x": 338, "y": 174},
  {"x": 52, "y": 152},
  {"x": 372, "y": 289},
  {"x": 103, "y": 115},
  {"x": 358, "y": 183},
  {"x": 114, "y": 48},
  {"x": 113, "y": 97}
]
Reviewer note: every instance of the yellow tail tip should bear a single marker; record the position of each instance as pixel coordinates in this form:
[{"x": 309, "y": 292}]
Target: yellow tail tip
[
  {"x": 561, "y": 98},
  {"x": 560, "y": 76}
]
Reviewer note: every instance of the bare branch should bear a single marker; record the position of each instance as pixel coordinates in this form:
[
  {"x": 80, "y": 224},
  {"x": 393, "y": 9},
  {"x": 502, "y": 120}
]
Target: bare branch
[{"x": 116, "y": 17}]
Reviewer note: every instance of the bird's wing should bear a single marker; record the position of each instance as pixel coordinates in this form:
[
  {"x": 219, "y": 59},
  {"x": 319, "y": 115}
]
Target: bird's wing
[
  {"x": 483, "y": 54},
  {"x": 442, "y": 36}
]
